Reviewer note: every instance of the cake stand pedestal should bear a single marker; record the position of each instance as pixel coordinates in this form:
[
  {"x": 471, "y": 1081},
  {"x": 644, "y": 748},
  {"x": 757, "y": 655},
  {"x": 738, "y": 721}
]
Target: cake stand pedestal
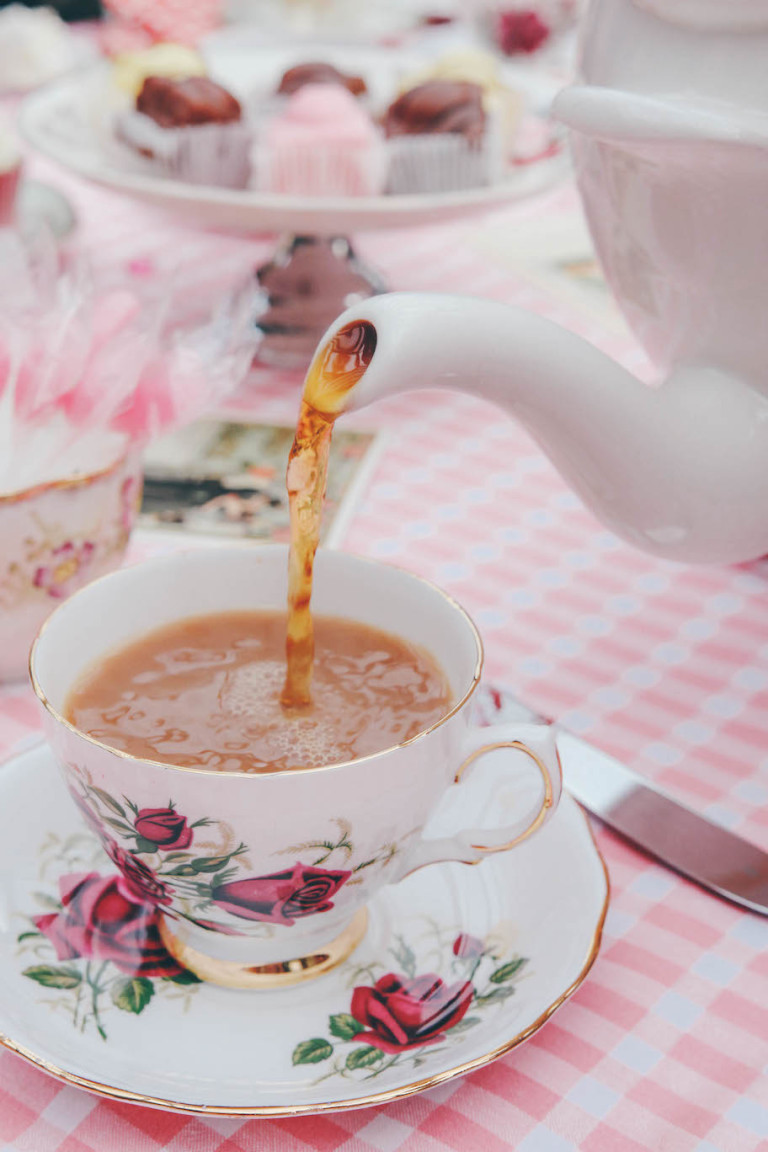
[{"x": 303, "y": 288}]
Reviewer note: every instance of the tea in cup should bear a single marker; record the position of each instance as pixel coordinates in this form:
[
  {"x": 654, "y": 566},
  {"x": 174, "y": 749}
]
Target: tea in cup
[{"x": 262, "y": 867}]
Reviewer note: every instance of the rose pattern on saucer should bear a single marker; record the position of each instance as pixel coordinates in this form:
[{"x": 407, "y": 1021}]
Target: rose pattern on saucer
[
  {"x": 98, "y": 946},
  {"x": 95, "y": 948},
  {"x": 164, "y": 862},
  {"x": 400, "y": 1017}
]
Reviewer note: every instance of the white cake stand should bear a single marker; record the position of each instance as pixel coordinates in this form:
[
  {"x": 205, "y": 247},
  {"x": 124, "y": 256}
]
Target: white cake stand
[{"x": 66, "y": 122}]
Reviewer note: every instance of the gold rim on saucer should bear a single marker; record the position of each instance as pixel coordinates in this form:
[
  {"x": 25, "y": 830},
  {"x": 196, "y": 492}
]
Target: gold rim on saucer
[{"x": 230, "y": 974}]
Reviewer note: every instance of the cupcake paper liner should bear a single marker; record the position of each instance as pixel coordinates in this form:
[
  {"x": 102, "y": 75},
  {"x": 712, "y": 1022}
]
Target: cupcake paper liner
[
  {"x": 338, "y": 169},
  {"x": 217, "y": 154},
  {"x": 440, "y": 163}
]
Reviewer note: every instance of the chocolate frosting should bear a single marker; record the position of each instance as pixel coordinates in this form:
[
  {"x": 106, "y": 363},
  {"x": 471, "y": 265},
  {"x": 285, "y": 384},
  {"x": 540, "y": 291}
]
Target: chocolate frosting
[
  {"x": 438, "y": 106},
  {"x": 178, "y": 103},
  {"x": 317, "y": 72}
]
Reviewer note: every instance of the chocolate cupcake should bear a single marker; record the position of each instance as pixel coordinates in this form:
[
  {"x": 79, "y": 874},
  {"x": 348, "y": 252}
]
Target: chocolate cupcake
[
  {"x": 318, "y": 72},
  {"x": 439, "y": 138},
  {"x": 194, "y": 100},
  {"x": 191, "y": 129}
]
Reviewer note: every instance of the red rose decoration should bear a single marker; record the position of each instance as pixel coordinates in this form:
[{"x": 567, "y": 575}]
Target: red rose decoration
[
  {"x": 402, "y": 1013},
  {"x": 163, "y": 827},
  {"x": 281, "y": 897},
  {"x": 520, "y": 32},
  {"x": 102, "y": 919},
  {"x": 139, "y": 879},
  {"x": 468, "y": 947}
]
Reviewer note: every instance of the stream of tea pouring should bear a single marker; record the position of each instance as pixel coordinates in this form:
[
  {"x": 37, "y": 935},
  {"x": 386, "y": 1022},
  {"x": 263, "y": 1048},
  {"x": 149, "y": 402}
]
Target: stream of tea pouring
[
  {"x": 679, "y": 470},
  {"x": 338, "y": 365}
]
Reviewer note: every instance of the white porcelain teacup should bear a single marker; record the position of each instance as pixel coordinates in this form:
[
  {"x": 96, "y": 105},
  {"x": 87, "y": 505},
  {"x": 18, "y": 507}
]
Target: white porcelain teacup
[{"x": 262, "y": 879}]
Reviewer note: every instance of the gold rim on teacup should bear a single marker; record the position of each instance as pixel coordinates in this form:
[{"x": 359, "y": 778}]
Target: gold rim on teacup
[
  {"x": 339, "y": 764},
  {"x": 79, "y": 480}
]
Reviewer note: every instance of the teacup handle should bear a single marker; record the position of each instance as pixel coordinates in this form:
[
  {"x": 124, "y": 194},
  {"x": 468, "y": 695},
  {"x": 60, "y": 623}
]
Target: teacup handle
[{"x": 470, "y": 845}]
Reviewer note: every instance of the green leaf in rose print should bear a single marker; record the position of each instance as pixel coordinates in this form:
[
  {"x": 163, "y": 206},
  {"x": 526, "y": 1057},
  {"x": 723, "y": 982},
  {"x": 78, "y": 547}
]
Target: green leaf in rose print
[
  {"x": 51, "y": 977},
  {"x": 144, "y": 845},
  {"x": 27, "y": 936},
  {"x": 209, "y": 863},
  {"x": 120, "y": 825},
  {"x": 312, "y": 1051},
  {"x": 345, "y": 1026},
  {"x": 110, "y": 801},
  {"x": 507, "y": 971},
  {"x": 213, "y": 863},
  {"x": 492, "y": 997},
  {"x": 464, "y": 1025},
  {"x": 47, "y": 901},
  {"x": 405, "y": 956},
  {"x": 364, "y": 1057},
  {"x": 132, "y": 994},
  {"x": 183, "y": 977}
]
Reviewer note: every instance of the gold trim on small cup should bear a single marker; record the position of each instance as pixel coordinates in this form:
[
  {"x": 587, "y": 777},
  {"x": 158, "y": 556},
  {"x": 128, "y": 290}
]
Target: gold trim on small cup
[
  {"x": 260, "y": 775},
  {"x": 546, "y": 803},
  {"x": 83, "y": 480},
  {"x": 274, "y": 1110},
  {"x": 282, "y": 974}
]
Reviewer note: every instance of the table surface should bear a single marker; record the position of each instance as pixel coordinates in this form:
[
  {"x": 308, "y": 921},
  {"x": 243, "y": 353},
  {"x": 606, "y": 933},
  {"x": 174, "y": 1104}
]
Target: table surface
[{"x": 665, "y": 1047}]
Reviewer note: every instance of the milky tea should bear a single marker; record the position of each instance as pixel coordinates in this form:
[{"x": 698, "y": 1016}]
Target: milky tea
[{"x": 266, "y": 691}]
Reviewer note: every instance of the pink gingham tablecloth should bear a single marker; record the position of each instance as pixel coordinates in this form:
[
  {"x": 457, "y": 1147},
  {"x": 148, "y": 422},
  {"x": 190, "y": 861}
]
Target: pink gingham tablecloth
[{"x": 665, "y": 1047}]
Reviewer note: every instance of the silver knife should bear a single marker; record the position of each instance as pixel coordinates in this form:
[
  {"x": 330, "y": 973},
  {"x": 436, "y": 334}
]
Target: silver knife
[{"x": 653, "y": 821}]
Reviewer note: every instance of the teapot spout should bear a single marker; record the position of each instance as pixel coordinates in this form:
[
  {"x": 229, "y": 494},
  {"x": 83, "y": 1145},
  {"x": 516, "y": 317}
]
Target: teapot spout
[{"x": 680, "y": 471}]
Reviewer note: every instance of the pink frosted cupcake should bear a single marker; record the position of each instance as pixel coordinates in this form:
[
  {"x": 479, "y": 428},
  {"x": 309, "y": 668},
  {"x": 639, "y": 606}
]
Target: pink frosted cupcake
[
  {"x": 191, "y": 129},
  {"x": 320, "y": 143}
]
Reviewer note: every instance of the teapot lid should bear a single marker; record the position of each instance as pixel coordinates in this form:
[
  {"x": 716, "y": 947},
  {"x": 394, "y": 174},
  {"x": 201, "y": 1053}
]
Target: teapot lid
[{"x": 710, "y": 15}]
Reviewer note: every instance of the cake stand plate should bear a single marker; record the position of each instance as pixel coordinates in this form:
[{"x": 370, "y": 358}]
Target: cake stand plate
[{"x": 66, "y": 121}]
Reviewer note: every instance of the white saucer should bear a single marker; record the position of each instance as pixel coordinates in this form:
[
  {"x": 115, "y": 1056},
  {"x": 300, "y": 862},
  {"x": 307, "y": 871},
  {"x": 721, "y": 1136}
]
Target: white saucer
[{"x": 535, "y": 914}]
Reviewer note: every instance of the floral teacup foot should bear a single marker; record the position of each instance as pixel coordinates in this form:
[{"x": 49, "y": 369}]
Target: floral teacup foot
[{"x": 278, "y": 974}]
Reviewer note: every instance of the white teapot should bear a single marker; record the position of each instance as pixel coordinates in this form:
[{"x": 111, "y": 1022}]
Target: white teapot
[{"x": 669, "y": 126}]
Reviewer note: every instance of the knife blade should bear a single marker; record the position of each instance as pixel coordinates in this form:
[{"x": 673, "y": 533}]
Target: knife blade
[{"x": 655, "y": 822}]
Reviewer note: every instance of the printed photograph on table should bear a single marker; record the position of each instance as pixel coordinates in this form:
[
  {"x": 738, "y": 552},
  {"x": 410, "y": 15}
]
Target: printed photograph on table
[{"x": 224, "y": 478}]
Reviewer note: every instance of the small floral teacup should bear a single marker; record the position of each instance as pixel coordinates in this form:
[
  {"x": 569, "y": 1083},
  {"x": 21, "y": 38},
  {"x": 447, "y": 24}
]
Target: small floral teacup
[
  {"x": 260, "y": 879},
  {"x": 54, "y": 538}
]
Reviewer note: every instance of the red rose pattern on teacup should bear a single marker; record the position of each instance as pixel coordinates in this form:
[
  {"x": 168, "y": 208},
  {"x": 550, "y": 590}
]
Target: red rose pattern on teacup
[
  {"x": 163, "y": 828},
  {"x": 281, "y": 897},
  {"x": 156, "y": 851},
  {"x": 101, "y": 918}
]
